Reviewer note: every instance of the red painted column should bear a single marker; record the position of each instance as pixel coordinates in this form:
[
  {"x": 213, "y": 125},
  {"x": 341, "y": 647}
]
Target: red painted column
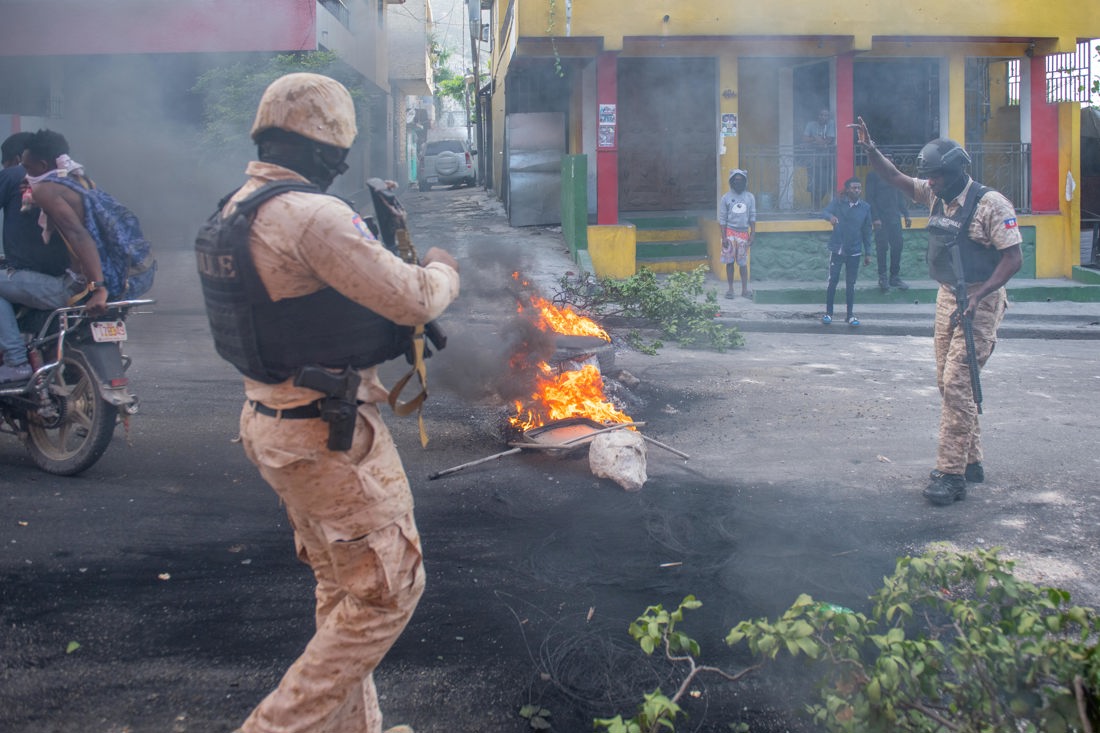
[
  {"x": 607, "y": 155},
  {"x": 845, "y": 102},
  {"x": 1044, "y": 142}
]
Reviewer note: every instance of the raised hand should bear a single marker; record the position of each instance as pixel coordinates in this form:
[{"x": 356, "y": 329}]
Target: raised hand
[{"x": 863, "y": 136}]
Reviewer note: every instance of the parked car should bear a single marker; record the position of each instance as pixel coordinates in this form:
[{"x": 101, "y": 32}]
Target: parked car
[{"x": 446, "y": 163}]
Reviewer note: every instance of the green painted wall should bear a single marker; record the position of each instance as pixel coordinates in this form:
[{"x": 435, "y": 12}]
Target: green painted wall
[
  {"x": 574, "y": 202},
  {"x": 802, "y": 256}
]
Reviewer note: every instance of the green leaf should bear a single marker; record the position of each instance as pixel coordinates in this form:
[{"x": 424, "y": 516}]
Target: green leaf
[
  {"x": 71, "y": 647},
  {"x": 647, "y": 644},
  {"x": 809, "y": 647},
  {"x": 874, "y": 691},
  {"x": 734, "y": 637}
]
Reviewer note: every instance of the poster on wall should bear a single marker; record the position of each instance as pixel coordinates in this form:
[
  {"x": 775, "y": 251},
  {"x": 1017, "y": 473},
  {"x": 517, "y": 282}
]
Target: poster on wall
[
  {"x": 607, "y": 114},
  {"x": 606, "y": 138},
  {"x": 729, "y": 124}
]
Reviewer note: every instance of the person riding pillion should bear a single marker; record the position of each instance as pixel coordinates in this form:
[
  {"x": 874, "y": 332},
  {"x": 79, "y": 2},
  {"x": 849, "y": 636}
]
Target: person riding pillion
[
  {"x": 976, "y": 227},
  {"x": 306, "y": 309}
]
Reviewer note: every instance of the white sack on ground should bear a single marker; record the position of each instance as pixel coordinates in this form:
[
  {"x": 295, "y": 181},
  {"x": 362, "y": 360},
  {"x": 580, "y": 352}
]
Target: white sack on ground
[{"x": 619, "y": 456}]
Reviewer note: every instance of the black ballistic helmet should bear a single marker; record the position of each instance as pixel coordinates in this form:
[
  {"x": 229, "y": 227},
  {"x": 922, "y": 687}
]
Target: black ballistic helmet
[{"x": 942, "y": 156}]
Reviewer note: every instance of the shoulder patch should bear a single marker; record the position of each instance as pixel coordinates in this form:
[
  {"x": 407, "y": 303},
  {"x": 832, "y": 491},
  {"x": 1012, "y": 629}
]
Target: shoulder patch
[
  {"x": 358, "y": 223},
  {"x": 1010, "y": 223}
]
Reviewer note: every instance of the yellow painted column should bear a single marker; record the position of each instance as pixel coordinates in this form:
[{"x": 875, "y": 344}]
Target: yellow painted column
[
  {"x": 956, "y": 100},
  {"x": 613, "y": 249},
  {"x": 1069, "y": 163},
  {"x": 727, "y": 105},
  {"x": 713, "y": 236}
]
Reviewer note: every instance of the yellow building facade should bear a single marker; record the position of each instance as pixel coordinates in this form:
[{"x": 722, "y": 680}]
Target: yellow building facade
[{"x": 665, "y": 98}]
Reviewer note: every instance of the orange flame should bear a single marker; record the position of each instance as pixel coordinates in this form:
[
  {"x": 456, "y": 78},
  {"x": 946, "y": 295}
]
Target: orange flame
[
  {"x": 565, "y": 320},
  {"x": 576, "y": 393}
]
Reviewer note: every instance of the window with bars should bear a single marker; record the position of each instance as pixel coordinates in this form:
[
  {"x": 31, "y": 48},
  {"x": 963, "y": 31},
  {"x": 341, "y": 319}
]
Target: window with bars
[
  {"x": 1069, "y": 76},
  {"x": 1012, "y": 88}
]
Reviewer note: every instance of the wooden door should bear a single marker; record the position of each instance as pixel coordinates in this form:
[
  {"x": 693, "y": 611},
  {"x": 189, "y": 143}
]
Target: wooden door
[{"x": 668, "y": 133}]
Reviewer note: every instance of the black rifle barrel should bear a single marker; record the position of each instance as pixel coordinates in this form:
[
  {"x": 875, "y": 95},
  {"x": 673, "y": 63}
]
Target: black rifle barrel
[{"x": 961, "y": 302}]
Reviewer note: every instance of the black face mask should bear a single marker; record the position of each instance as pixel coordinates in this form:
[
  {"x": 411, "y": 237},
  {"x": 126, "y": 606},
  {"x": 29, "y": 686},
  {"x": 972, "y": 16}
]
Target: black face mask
[
  {"x": 954, "y": 187},
  {"x": 318, "y": 162}
]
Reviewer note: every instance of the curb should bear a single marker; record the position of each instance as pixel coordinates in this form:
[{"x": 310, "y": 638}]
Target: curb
[{"x": 869, "y": 326}]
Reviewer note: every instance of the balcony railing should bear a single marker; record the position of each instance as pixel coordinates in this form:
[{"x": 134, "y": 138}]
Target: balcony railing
[
  {"x": 339, "y": 9},
  {"x": 796, "y": 182},
  {"x": 790, "y": 181}
]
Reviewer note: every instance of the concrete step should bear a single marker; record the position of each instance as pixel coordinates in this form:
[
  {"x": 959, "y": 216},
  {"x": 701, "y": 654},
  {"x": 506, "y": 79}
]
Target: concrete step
[
  {"x": 686, "y": 248},
  {"x": 679, "y": 263}
]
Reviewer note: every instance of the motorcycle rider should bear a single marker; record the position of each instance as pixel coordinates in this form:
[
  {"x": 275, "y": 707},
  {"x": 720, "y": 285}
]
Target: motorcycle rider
[
  {"x": 351, "y": 511},
  {"x": 23, "y": 283}
]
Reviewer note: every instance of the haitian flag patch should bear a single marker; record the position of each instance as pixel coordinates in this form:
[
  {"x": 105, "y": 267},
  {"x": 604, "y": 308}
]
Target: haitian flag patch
[
  {"x": 1010, "y": 223},
  {"x": 361, "y": 225}
]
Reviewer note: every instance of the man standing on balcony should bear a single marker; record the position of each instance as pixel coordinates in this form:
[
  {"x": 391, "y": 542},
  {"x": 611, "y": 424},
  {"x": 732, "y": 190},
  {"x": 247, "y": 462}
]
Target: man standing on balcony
[{"x": 982, "y": 223}]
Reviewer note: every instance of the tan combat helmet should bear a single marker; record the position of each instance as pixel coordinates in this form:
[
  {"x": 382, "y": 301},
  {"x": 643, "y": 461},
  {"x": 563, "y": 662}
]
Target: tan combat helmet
[{"x": 312, "y": 105}]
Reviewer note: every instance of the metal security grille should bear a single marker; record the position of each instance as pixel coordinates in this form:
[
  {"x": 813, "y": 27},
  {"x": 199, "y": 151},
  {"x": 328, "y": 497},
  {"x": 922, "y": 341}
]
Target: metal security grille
[{"x": 1069, "y": 75}]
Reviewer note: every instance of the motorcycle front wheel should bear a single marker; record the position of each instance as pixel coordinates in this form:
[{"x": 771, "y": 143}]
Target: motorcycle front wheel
[{"x": 83, "y": 428}]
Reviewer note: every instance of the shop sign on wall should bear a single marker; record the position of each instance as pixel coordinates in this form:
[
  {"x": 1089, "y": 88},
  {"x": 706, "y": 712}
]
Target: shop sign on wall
[{"x": 605, "y": 138}]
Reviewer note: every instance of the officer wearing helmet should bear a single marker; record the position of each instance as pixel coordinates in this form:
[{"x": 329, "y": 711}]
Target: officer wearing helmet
[
  {"x": 983, "y": 224},
  {"x": 351, "y": 510}
]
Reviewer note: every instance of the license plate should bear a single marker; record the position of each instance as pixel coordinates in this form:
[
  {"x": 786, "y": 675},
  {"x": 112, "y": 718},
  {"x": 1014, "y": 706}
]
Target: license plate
[
  {"x": 433, "y": 179},
  {"x": 108, "y": 331}
]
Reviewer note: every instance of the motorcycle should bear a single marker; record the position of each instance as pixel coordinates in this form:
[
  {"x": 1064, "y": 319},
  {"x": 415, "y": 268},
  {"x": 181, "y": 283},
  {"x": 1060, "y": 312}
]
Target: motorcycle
[{"x": 67, "y": 411}]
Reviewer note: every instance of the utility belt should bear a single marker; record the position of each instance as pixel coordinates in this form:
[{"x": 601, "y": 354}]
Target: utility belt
[
  {"x": 303, "y": 412},
  {"x": 338, "y": 407}
]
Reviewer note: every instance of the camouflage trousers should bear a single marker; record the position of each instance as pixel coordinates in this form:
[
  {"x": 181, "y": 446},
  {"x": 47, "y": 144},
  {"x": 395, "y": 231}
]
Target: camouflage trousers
[
  {"x": 353, "y": 524},
  {"x": 960, "y": 438}
]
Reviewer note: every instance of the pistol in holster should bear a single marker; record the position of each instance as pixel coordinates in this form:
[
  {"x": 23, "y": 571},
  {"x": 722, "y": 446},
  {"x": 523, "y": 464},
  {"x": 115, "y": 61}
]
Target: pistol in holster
[{"x": 340, "y": 404}]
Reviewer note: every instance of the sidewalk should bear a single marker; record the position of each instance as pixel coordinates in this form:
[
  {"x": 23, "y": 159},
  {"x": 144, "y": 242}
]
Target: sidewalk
[{"x": 911, "y": 313}]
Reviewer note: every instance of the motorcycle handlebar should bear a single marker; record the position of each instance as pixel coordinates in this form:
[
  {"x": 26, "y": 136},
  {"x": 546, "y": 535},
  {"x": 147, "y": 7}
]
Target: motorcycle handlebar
[{"x": 114, "y": 304}]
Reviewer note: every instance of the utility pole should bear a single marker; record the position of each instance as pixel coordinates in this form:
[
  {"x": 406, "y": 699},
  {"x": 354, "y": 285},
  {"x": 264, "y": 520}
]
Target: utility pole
[{"x": 474, "y": 79}]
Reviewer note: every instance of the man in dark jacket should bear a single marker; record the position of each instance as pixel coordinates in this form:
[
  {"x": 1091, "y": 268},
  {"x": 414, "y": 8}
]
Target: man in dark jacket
[
  {"x": 851, "y": 239},
  {"x": 888, "y": 207}
]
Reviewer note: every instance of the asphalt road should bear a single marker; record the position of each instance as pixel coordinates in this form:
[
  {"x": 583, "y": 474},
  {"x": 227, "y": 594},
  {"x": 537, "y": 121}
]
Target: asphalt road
[{"x": 170, "y": 563}]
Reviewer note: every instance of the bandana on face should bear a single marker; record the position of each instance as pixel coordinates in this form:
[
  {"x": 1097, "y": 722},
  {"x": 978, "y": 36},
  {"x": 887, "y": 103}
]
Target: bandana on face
[{"x": 66, "y": 166}]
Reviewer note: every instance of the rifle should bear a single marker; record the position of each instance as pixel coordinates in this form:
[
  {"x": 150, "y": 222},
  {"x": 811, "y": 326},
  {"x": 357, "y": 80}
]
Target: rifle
[
  {"x": 961, "y": 302},
  {"x": 394, "y": 232}
]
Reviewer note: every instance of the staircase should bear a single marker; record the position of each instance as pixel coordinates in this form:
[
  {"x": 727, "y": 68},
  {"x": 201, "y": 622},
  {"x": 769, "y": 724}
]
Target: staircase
[{"x": 668, "y": 242}]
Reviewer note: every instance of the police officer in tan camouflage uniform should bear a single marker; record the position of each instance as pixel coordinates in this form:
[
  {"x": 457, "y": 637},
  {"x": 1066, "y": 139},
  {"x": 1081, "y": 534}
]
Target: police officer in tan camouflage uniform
[
  {"x": 351, "y": 511},
  {"x": 991, "y": 255}
]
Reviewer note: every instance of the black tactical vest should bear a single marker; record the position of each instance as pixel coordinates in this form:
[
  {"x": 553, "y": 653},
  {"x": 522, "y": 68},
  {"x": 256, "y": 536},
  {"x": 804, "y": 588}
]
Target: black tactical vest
[
  {"x": 269, "y": 340},
  {"x": 978, "y": 260}
]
